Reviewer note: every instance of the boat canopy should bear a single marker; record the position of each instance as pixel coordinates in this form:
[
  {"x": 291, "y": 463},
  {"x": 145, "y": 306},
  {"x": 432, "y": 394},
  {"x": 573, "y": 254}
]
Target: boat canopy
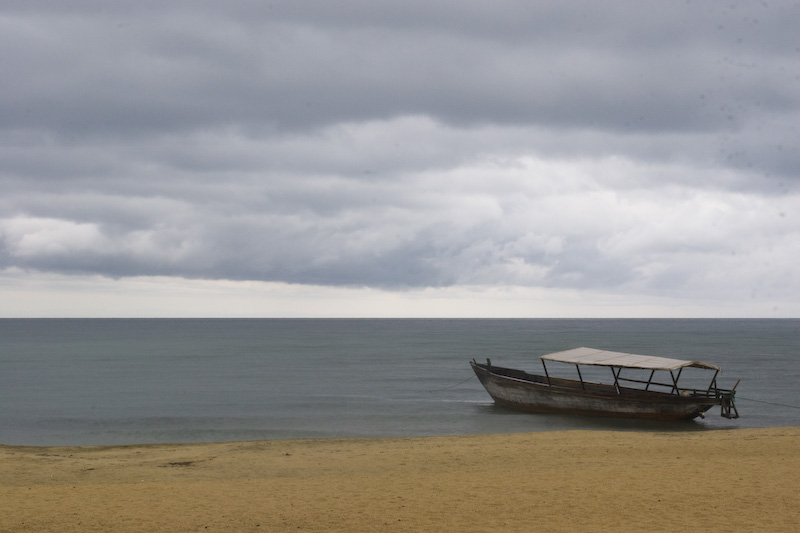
[{"x": 593, "y": 356}]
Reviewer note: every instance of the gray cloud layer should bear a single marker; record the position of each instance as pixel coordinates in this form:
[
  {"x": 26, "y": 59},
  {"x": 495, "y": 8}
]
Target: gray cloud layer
[{"x": 642, "y": 146}]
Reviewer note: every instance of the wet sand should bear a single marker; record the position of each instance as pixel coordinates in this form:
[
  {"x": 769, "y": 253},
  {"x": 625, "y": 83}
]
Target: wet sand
[{"x": 737, "y": 480}]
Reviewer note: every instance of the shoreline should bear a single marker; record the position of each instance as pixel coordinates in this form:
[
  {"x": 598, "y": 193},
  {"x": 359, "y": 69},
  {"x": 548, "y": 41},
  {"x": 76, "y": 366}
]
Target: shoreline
[{"x": 729, "y": 479}]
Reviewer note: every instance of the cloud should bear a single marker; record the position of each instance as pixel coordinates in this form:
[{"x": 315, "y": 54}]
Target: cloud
[
  {"x": 630, "y": 149},
  {"x": 49, "y": 237}
]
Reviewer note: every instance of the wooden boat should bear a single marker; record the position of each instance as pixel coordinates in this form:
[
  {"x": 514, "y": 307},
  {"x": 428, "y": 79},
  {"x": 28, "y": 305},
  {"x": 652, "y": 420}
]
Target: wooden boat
[{"x": 625, "y": 396}]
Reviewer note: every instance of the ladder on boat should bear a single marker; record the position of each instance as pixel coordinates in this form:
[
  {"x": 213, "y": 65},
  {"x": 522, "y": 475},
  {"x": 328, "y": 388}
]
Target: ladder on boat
[{"x": 727, "y": 403}]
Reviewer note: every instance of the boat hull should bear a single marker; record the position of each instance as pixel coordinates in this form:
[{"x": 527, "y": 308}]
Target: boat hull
[{"x": 532, "y": 393}]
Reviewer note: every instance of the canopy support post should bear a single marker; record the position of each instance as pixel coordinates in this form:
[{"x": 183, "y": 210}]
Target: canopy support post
[
  {"x": 578, "y": 368},
  {"x": 616, "y": 377},
  {"x": 545, "y": 372},
  {"x": 713, "y": 384},
  {"x": 650, "y": 379},
  {"x": 675, "y": 380}
]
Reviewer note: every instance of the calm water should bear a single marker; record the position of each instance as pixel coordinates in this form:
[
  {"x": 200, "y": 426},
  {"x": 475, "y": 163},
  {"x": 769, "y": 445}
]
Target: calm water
[{"x": 73, "y": 381}]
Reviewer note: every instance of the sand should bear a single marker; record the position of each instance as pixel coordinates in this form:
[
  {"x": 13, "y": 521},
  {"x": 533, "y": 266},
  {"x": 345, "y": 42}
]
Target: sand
[{"x": 737, "y": 480}]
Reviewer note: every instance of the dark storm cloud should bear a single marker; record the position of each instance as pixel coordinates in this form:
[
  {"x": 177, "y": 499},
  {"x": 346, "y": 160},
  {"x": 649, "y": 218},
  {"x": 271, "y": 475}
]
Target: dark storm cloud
[
  {"x": 153, "y": 69},
  {"x": 398, "y": 145}
]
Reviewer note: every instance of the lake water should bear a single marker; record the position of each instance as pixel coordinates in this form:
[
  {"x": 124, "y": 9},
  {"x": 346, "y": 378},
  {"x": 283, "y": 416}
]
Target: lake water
[{"x": 130, "y": 381}]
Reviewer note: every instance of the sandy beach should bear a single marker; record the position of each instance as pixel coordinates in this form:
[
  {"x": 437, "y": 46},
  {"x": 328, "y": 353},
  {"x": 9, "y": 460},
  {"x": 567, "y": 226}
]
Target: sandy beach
[{"x": 737, "y": 480}]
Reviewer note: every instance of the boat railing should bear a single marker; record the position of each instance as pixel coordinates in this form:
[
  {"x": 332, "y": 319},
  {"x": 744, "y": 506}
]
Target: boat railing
[{"x": 649, "y": 383}]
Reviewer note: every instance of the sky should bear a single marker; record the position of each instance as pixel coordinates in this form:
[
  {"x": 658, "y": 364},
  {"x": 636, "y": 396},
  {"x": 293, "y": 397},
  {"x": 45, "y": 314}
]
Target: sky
[{"x": 399, "y": 159}]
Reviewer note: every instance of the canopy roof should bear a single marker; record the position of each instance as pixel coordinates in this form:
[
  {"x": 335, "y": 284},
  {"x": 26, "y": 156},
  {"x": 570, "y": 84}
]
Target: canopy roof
[{"x": 593, "y": 356}]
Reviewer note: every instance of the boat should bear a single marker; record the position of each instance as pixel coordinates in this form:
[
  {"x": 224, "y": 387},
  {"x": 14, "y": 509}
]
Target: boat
[{"x": 629, "y": 395}]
